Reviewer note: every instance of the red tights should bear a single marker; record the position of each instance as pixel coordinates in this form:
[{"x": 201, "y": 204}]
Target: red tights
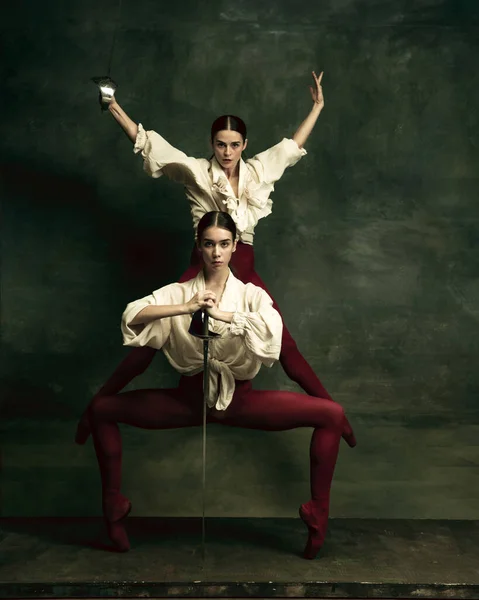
[
  {"x": 251, "y": 409},
  {"x": 292, "y": 361}
]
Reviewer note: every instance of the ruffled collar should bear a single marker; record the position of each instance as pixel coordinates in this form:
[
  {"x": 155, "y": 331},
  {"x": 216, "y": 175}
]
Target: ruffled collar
[
  {"x": 220, "y": 181},
  {"x": 253, "y": 202}
]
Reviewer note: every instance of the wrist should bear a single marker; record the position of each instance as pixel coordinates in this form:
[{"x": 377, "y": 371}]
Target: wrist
[
  {"x": 213, "y": 313},
  {"x": 185, "y": 309},
  {"x": 113, "y": 105}
]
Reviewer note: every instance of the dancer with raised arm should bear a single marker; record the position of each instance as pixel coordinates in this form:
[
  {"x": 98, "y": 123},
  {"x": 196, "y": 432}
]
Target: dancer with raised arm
[
  {"x": 250, "y": 330},
  {"x": 240, "y": 188}
]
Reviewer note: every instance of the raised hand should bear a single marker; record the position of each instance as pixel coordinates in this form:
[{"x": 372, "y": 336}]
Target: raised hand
[
  {"x": 107, "y": 88},
  {"x": 316, "y": 89},
  {"x": 105, "y": 101}
]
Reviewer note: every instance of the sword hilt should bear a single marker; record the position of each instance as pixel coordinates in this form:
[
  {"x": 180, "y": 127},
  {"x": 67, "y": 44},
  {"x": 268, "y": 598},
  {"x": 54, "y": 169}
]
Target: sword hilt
[
  {"x": 199, "y": 326},
  {"x": 107, "y": 88},
  {"x": 205, "y": 330}
]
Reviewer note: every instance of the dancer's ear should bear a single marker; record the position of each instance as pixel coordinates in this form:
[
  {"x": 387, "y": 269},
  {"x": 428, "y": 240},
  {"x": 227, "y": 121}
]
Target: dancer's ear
[{"x": 234, "y": 246}]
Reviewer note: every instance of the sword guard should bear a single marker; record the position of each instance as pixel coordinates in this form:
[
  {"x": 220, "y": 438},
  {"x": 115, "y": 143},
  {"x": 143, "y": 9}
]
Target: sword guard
[{"x": 199, "y": 326}]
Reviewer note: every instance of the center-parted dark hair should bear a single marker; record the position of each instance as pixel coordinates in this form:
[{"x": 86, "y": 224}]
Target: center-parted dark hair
[
  {"x": 216, "y": 218},
  {"x": 229, "y": 122}
]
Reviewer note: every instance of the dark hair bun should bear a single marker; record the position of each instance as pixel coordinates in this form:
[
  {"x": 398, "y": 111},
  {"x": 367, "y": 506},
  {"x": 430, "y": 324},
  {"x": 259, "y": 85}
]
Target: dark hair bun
[
  {"x": 228, "y": 122},
  {"x": 216, "y": 218}
]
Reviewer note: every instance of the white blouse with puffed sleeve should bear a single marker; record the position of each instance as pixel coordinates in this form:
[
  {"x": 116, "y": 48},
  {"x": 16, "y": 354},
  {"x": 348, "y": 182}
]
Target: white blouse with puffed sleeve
[
  {"x": 206, "y": 185},
  {"x": 252, "y": 339}
]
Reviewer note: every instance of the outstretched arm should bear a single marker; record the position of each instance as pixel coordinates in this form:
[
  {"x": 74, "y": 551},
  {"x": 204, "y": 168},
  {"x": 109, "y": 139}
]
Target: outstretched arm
[
  {"x": 201, "y": 300},
  {"x": 120, "y": 116},
  {"x": 307, "y": 125}
]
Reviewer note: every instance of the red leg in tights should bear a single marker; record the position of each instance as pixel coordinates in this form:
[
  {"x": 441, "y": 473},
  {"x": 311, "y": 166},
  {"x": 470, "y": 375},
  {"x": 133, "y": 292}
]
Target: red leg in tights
[
  {"x": 130, "y": 367},
  {"x": 182, "y": 407},
  {"x": 278, "y": 411},
  {"x": 135, "y": 363},
  {"x": 292, "y": 361},
  {"x": 148, "y": 409}
]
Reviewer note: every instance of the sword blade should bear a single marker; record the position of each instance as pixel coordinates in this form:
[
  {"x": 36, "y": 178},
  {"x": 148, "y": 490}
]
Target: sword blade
[{"x": 206, "y": 387}]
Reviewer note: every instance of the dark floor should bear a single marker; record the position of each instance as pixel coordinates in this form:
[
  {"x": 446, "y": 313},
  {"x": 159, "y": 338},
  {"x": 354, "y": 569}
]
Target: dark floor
[{"x": 244, "y": 557}]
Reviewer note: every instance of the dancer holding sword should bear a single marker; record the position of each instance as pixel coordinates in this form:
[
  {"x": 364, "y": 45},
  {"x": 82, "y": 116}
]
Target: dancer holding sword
[
  {"x": 240, "y": 188},
  {"x": 250, "y": 332}
]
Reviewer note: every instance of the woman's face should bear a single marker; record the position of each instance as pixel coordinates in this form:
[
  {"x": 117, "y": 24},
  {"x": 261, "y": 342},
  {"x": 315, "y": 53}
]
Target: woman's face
[
  {"x": 216, "y": 247},
  {"x": 228, "y": 146}
]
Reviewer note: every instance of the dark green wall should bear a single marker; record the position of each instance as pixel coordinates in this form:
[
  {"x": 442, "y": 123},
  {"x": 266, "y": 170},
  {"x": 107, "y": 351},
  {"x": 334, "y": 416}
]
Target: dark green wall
[{"x": 371, "y": 250}]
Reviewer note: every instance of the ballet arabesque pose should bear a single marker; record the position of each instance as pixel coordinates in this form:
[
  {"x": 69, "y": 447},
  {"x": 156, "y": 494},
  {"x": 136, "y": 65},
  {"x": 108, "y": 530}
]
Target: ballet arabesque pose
[
  {"x": 240, "y": 188},
  {"x": 250, "y": 329}
]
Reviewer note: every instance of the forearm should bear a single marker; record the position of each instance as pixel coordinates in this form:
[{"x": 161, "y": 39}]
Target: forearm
[
  {"x": 307, "y": 125},
  {"x": 221, "y": 315},
  {"x": 120, "y": 116},
  {"x": 153, "y": 313}
]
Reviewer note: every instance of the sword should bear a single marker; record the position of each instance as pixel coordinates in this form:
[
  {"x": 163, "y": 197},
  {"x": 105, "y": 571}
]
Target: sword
[
  {"x": 199, "y": 328},
  {"x": 105, "y": 84}
]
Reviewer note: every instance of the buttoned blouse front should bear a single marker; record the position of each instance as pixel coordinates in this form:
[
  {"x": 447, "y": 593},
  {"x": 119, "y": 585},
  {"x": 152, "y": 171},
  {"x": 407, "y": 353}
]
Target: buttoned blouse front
[
  {"x": 206, "y": 185},
  {"x": 252, "y": 338}
]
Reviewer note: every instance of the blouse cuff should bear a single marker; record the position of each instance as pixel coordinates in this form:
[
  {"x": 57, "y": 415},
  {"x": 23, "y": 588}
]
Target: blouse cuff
[
  {"x": 141, "y": 138},
  {"x": 295, "y": 149},
  {"x": 131, "y": 333},
  {"x": 238, "y": 323}
]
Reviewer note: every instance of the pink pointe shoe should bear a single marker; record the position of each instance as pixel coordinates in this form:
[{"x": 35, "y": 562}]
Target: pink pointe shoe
[
  {"x": 316, "y": 520},
  {"x": 116, "y": 508}
]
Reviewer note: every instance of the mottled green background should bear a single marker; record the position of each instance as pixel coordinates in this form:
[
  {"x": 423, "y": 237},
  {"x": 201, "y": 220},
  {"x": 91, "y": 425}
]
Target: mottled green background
[{"x": 371, "y": 250}]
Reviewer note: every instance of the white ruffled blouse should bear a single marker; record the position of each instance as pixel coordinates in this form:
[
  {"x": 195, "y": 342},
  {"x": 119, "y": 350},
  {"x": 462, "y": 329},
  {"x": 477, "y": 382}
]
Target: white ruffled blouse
[
  {"x": 206, "y": 185},
  {"x": 252, "y": 338}
]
